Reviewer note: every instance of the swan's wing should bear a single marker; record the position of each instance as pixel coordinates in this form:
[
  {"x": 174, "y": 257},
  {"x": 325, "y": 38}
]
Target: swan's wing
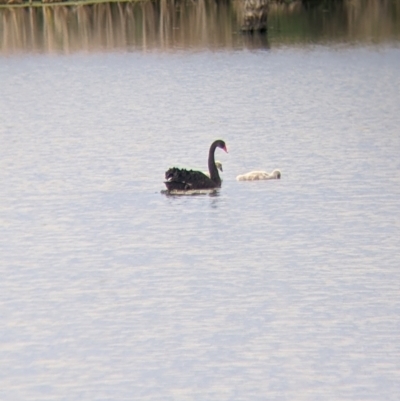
[{"x": 181, "y": 174}]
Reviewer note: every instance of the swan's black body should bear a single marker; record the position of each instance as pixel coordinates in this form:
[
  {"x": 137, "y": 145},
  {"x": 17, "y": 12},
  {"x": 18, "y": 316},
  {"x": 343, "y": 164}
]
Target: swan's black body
[{"x": 182, "y": 179}]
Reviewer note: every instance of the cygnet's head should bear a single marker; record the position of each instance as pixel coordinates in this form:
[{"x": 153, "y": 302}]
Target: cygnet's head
[
  {"x": 219, "y": 166},
  {"x": 276, "y": 174}
]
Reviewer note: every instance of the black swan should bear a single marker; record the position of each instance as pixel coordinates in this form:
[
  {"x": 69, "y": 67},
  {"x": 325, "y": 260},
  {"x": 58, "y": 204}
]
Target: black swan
[
  {"x": 182, "y": 179},
  {"x": 259, "y": 175}
]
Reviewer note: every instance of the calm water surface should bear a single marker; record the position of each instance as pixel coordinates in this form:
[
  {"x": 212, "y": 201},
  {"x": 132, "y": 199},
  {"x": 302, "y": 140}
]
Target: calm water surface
[{"x": 278, "y": 290}]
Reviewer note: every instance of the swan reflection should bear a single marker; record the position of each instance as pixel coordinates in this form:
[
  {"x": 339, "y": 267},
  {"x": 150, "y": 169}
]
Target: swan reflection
[{"x": 192, "y": 192}]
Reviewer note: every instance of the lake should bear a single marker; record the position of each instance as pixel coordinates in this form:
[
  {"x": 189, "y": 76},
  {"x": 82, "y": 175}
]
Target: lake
[{"x": 271, "y": 290}]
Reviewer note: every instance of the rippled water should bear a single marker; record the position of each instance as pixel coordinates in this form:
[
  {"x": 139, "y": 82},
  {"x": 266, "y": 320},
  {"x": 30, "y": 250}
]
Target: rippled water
[{"x": 278, "y": 290}]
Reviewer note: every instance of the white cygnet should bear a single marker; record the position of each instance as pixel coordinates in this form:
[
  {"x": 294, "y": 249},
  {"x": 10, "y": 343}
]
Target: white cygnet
[
  {"x": 259, "y": 175},
  {"x": 218, "y": 164}
]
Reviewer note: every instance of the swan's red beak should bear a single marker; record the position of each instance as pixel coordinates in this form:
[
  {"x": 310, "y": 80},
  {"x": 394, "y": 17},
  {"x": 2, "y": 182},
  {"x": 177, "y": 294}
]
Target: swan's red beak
[{"x": 225, "y": 148}]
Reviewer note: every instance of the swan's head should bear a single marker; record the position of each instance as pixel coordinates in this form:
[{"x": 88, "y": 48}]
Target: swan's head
[
  {"x": 219, "y": 166},
  {"x": 276, "y": 174},
  {"x": 221, "y": 144}
]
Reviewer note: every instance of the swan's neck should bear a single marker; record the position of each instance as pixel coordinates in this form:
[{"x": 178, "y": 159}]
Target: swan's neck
[{"x": 212, "y": 168}]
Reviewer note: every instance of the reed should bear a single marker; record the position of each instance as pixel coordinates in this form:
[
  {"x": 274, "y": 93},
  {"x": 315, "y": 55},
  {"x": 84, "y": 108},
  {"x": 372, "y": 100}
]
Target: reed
[{"x": 168, "y": 24}]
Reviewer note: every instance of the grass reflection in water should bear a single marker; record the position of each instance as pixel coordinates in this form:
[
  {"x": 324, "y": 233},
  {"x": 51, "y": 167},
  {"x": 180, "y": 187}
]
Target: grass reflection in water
[{"x": 199, "y": 25}]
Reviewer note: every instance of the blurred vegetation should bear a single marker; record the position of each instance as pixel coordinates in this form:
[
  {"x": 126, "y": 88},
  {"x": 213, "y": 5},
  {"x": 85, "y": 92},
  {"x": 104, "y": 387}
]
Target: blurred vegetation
[
  {"x": 369, "y": 21},
  {"x": 196, "y": 24}
]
